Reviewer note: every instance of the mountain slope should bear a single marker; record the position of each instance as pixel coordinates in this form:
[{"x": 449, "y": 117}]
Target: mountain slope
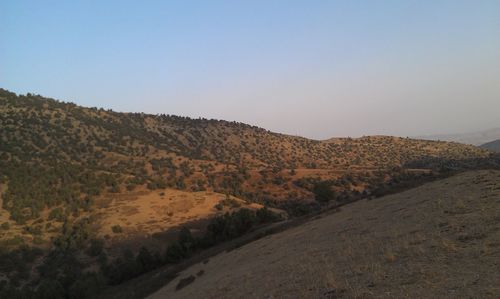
[
  {"x": 54, "y": 153},
  {"x": 108, "y": 194},
  {"x": 439, "y": 240},
  {"x": 492, "y": 146}
]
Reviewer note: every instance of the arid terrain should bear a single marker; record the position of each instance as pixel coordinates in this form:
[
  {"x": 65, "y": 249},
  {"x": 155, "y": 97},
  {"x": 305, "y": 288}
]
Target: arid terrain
[
  {"x": 439, "y": 240},
  {"x": 92, "y": 198},
  {"x": 249, "y": 149},
  {"x": 143, "y": 215},
  {"x": 61, "y": 162}
]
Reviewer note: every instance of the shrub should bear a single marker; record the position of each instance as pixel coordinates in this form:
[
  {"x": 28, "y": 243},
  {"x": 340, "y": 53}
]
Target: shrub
[
  {"x": 5, "y": 226},
  {"x": 265, "y": 215},
  {"x": 57, "y": 214},
  {"x": 323, "y": 192},
  {"x": 184, "y": 282},
  {"x": 96, "y": 247},
  {"x": 87, "y": 286},
  {"x": 50, "y": 288},
  {"x": 174, "y": 253},
  {"x": 117, "y": 229},
  {"x": 145, "y": 260}
]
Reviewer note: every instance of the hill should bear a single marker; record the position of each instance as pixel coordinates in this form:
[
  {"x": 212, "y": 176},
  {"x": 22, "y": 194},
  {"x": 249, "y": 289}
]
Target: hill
[
  {"x": 56, "y": 154},
  {"x": 107, "y": 193},
  {"x": 439, "y": 240},
  {"x": 59, "y": 153},
  {"x": 492, "y": 146}
]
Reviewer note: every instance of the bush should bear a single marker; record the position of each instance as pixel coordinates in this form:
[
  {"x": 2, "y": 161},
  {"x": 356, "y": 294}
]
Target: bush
[
  {"x": 145, "y": 260},
  {"x": 57, "y": 214},
  {"x": 265, "y": 215},
  {"x": 184, "y": 282},
  {"x": 96, "y": 247},
  {"x": 230, "y": 202},
  {"x": 297, "y": 208},
  {"x": 87, "y": 286},
  {"x": 323, "y": 192},
  {"x": 5, "y": 226},
  {"x": 50, "y": 289},
  {"x": 230, "y": 226},
  {"x": 117, "y": 229},
  {"x": 174, "y": 253}
]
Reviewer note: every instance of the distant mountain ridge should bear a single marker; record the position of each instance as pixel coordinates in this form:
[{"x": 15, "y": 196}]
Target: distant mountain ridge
[
  {"x": 492, "y": 146},
  {"x": 474, "y": 138}
]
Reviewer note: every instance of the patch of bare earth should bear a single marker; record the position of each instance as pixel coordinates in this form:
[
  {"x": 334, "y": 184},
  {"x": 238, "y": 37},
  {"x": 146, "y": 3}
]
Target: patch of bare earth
[
  {"x": 440, "y": 240},
  {"x": 144, "y": 213}
]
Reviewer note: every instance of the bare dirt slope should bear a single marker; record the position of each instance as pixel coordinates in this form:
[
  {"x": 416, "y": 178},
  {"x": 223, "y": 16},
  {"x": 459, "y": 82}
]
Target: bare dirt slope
[{"x": 440, "y": 240}]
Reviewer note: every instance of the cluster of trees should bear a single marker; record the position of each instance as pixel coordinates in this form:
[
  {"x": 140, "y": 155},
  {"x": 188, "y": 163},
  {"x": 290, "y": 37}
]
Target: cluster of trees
[
  {"x": 16, "y": 263},
  {"x": 221, "y": 228},
  {"x": 32, "y": 187},
  {"x": 62, "y": 275}
]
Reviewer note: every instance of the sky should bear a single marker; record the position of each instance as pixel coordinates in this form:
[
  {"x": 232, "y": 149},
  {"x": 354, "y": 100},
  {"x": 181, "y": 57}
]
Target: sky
[{"x": 318, "y": 69}]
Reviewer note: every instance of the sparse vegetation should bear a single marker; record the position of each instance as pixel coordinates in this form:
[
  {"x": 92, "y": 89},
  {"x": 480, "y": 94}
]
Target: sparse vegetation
[
  {"x": 361, "y": 252},
  {"x": 61, "y": 163}
]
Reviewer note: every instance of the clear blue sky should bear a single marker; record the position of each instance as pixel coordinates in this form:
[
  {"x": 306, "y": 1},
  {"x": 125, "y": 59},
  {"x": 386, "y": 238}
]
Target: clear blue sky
[{"x": 313, "y": 68}]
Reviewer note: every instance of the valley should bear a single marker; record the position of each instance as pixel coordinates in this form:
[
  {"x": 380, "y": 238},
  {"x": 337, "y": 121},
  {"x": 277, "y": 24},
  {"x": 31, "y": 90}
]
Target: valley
[{"x": 114, "y": 195}]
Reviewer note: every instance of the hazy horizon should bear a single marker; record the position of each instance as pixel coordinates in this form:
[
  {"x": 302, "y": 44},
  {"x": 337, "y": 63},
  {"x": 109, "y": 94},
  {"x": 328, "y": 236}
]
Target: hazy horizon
[{"x": 318, "y": 69}]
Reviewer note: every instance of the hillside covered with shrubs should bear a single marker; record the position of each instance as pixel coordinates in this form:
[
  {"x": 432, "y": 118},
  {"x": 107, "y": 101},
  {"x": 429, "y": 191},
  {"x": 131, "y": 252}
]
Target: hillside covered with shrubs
[
  {"x": 55, "y": 153},
  {"x": 60, "y": 161}
]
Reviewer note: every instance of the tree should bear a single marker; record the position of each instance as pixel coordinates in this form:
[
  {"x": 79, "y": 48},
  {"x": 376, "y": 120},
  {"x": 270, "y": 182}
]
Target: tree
[
  {"x": 323, "y": 191},
  {"x": 145, "y": 260},
  {"x": 186, "y": 240},
  {"x": 265, "y": 215},
  {"x": 50, "y": 289},
  {"x": 96, "y": 247},
  {"x": 174, "y": 253}
]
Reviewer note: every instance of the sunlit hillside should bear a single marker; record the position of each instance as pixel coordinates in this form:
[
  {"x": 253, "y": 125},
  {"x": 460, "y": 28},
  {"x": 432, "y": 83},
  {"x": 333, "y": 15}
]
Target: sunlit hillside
[{"x": 109, "y": 193}]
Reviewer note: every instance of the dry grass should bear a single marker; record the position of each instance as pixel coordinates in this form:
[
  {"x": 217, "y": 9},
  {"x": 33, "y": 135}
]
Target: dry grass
[
  {"x": 144, "y": 213},
  {"x": 440, "y": 240}
]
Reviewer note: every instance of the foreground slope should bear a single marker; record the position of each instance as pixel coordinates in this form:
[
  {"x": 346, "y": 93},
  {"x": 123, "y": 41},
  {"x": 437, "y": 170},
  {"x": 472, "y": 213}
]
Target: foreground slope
[{"x": 440, "y": 240}]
